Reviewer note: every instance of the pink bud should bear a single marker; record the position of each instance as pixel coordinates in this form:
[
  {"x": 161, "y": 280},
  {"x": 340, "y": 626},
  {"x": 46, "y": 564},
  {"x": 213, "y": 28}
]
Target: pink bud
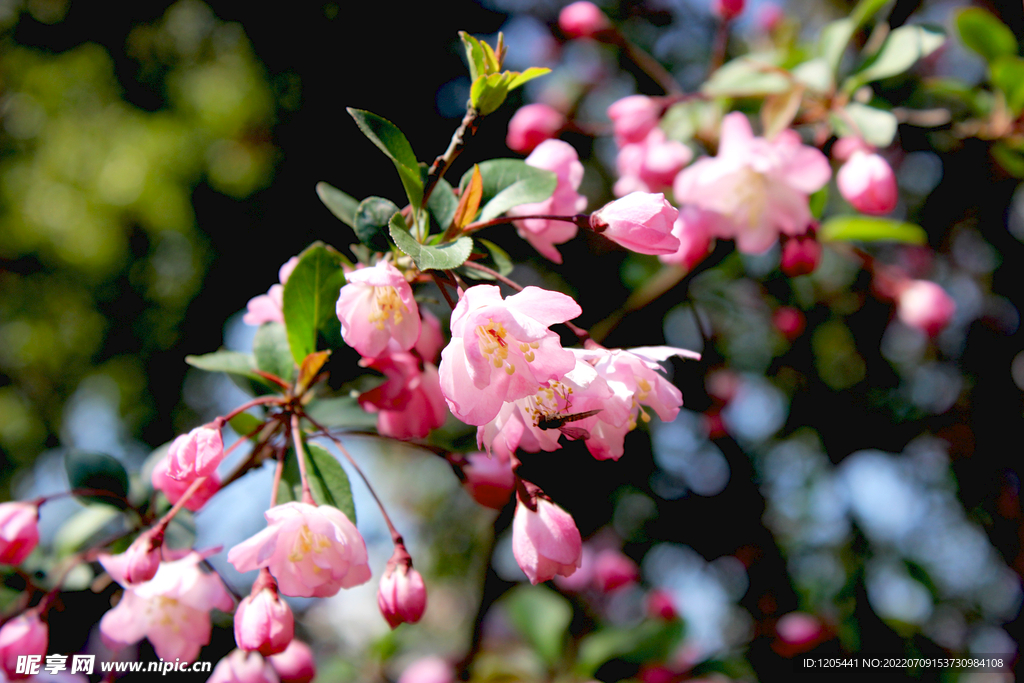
[
  {"x": 640, "y": 221},
  {"x": 769, "y": 16},
  {"x": 845, "y": 146},
  {"x": 263, "y": 621},
  {"x": 196, "y": 454},
  {"x": 925, "y": 306},
  {"x": 798, "y": 628},
  {"x": 532, "y": 125},
  {"x": 582, "y": 20},
  {"x": 660, "y": 605},
  {"x": 789, "y": 321},
  {"x": 428, "y": 670},
  {"x": 142, "y": 559},
  {"x": 240, "y": 666},
  {"x": 402, "y": 596},
  {"x": 174, "y": 489},
  {"x": 19, "y": 531},
  {"x": 613, "y": 570},
  {"x": 489, "y": 479},
  {"x": 800, "y": 255},
  {"x": 25, "y": 634},
  {"x": 867, "y": 182},
  {"x": 727, "y": 10},
  {"x": 296, "y": 664},
  {"x": 634, "y": 117},
  {"x": 545, "y": 541}
]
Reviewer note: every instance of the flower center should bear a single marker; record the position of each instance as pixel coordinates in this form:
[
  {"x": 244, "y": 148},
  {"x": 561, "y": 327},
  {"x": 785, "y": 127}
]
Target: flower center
[
  {"x": 751, "y": 197},
  {"x": 306, "y": 542},
  {"x": 387, "y": 305},
  {"x": 494, "y": 341},
  {"x": 549, "y": 401}
]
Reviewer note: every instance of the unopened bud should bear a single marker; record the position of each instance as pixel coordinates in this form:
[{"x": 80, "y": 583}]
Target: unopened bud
[
  {"x": 582, "y": 20},
  {"x": 402, "y": 597},
  {"x": 263, "y": 621}
]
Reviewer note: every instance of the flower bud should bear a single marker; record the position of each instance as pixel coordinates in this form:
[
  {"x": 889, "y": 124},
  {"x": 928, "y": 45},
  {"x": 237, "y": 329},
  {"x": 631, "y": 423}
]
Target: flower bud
[
  {"x": 196, "y": 454},
  {"x": 640, "y": 221},
  {"x": 634, "y": 117},
  {"x": 19, "y": 531},
  {"x": 845, "y": 146},
  {"x": 613, "y": 570},
  {"x": 800, "y": 255},
  {"x": 660, "y": 605},
  {"x": 240, "y": 666},
  {"x": 868, "y": 183},
  {"x": 141, "y": 561},
  {"x": 402, "y": 596},
  {"x": 532, "y": 125},
  {"x": 727, "y": 10},
  {"x": 25, "y": 634},
  {"x": 489, "y": 479},
  {"x": 789, "y": 321},
  {"x": 545, "y": 540},
  {"x": 296, "y": 664},
  {"x": 582, "y": 20},
  {"x": 263, "y": 621},
  {"x": 428, "y": 670},
  {"x": 925, "y": 306}
]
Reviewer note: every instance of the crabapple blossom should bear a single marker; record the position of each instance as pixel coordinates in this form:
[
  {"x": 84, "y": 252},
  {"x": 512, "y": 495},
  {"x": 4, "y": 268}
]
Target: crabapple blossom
[
  {"x": 174, "y": 489},
  {"x": 545, "y": 540},
  {"x": 650, "y": 165},
  {"x": 263, "y": 621},
  {"x": 428, "y": 670},
  {"x": 640, "y": 221},
  {"x": 489, "y": 479},
  {"x": 758, "y": 187},
  {"x": 172, "y": 610},
  {"x": 531, "y": 125},
  {"x": 196, "y": 454},
  {"x": 268, "y": 307},
  {"x": 311, "y": 551},
  {"x": 582, "y": 20},
  {"x": 868, "y": 183},
  {"x": 800, "y": 255},
  {"x": 660, "y": 605},
  {"x": 19, "y": 531},
  {"x": 296, "y": 664},
  {"x": 543, "y": 234},
  {"x": 844, "y": 147},
  {"x": 581, "y": 579},
  {"x": 789, "y": 321},
  {"x": 402, "y": 597},
  {"x": 502, "y": 349},
  {"x": 633, "y": 117},
  {"x": 239, "y": 666},
  {"x": 693, "y": 228},
  {"x": 25, "y": 634},
  {"x": 377, "y": 310},
  {"x": 925, "y": 306},
  {"x": 141, "y": 561},
  {"x": 613, "y": 570},
  {"x": 409, "y": 403}
]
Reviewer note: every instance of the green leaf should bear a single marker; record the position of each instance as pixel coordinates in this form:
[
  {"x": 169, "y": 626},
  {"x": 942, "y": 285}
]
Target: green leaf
[
  {"x": 502, "y": 261},
  {"x": 901, "y": 50},
  {"x": 651, "y": 640},
  {"x": 1008, "y": 76},
  {"x": 519, "y": 79},
  {"x": 985, "y": 34},
  {"x": 749, "y": 76},
  {"x": 876, "y": 126},
  {"x": 871, "y": 229},
  {"x": 815, "y": 74},
  {"x": 542, "y": 616},
  {"x": 442, "y": 204},
  {"x": 502, "y": 174},
  {"x": 310, "y": 296},
  {"x": 394, "y": 144},
  {"x": 99, "y": 471},
  {"x": 82, "y": 527},
  {"x": 474, "y": 56},
  {"x": 1012, "y": 160},
  {"x": 534, "y": 185},
  {"x": 489, "y": 92},
  {"x": 834, "y": 39},
  {"x": 341, "y": 205},
  {"x": 328, "y": 482},
  {"x": 231, "y": 362},
  {"x": 342, "y": 412},
  {"x": 245, "y": 424},
  {"x": 372, "y": 216},
  {"x": 272, "y": 352},
  {"x": 818, "y": 201},
  {"x": 440, "y": 257}
]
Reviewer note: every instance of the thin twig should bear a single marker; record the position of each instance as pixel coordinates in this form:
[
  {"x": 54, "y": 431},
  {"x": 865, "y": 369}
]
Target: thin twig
[
  {"x": 466, "y": 129},
  {"x": 300, "y": 453}
]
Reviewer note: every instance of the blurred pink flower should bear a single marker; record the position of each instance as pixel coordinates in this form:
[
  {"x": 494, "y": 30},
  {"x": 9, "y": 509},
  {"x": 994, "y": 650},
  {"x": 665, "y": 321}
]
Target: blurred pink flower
[
  {"x": 582, "y": 20},
  {"x": 489, "y": 479},
  {"x": 633, "y": 117},
  {"x": 650, "y": 165},
  {"x": 868, "y": 183},
  {"x": 531, "y": 125},
  {"x": 296, "y": 664},
  {"x": 25, "y": 634},
  {"x": 239, "y": 666},
  {"x": 428, "y": 670},
  {"x": 140, "y": 562},
  {"x": 174, "y": 489},
  {"x": 693, "y": 228},
  {"x": 263, "y": 621},
  {"x": 19, "y": 531},
  {"x": 613, "y": 570},
  {"x": 925, "y": 306},
  {"x": 727, "y": 10},
  {"x": 409, "y": 403},
  {"x": 267, "y": 308}
]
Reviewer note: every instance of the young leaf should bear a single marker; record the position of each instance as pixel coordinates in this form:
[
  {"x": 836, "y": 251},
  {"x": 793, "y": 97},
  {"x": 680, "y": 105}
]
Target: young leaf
[
  {"x": 442, "y": 204},
  {"x": 394, "y": 144},
  {"x": 372, "y": 216},
  {"x": 441, "y": 257},
  {"x": 310, "y": 296},
  {"x": 502, "y": 261},
  {"x": 520, "y": 79},
  {"x": 100, "y": 472},
  {"x": 232, "y": 362},
  {"x": 273, "y": 355},
  {"x": 651, "y": 640},
  {"x": 341, "y": 205},
  {"x": 245, "y": 424},
  {"x": 985, "y": 34},
  {"x": 901, "y": 50},
  {"x": 779, "y": 109},
  {"x": 474, "y": 56},
  {"x": 871, "y": 229},
  {"x": 835, "y": 36},
  {"x": 749, "y": 76},
  {"x": 876, "y": 126},
  {"x": 542, "y": 616},
  {"x": 469, "y": 202},
  {"x": 328, "y": 482},
  {"x": 533, "y": 186},
  {"x": 311, "y": 365},
  {"x": 1008, "y": 75}
]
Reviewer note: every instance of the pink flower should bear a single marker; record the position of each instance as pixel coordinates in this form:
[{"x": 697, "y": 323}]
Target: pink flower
[
  {"x": 23, "y": 635},
  {"x": 650, "y": 165},
  {"x": 613, "y": 570},
  {"x": 693, "y": 228},
  {"x": 868, "y": 183},
  {"x": 640, "y": 221},
  {"x": 561, "y": 159},
  {"x": 267, "y": 308},
  {"x": 634, "y": 117},
  {"x": 296, "y": 664},
  {"x": 798, "y": 628},
  {"x": 196, "y": 454},
  {"x": 844, "y": 147},
  {"x": 240, "y": 666},
  {"x": 311, "y": 551},
  {"x": 402, "y": 597},
  {"x": 545, "y": 540},
  {"x": 172, "y": 609},
  {"x": 728, "y": 10},
  {"x": 263, "y": 621},
  {"x": 19, "y": 531},
  {"x": 502, "y": 350},
  {"x": 660, "y": 605},
  {"x": 409, "y": 403},
  {"x": 377, "y": 310},
  {"x": 532, "y": 125},
  {"x": 789, "y": 321},
  {"x": 431, "y": 340},
  {"x": 582, "y": 20},
  {"x": 428, "y": 670},
  {"x": 758, "y": 187},
  {"x": 489, "y": 479},
  {"x": 925, "y": 306},
  {"x": 769, "y": 16},
  {"x": 174, "y": 489},
  {"x": 140, "y": 562},
  {"x": 800, "y": 255}
]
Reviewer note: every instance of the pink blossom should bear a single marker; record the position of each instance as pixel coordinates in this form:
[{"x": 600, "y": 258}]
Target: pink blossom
[
  {"x": 489, "y": 479},
  {"x": 532, "y": 125},
  {"x": 174, "y": 489},
  {"x": 311, "y": 551},
  {"x": 650, "y": 165},
  {"x": 140, "y": 562},
  {"x": 561, "y": 159},
  {"x": 844, "y": 147},
  {"x": 800, "y": 255},
  {"x": 431, "y": 340},
  {"x": 402, "y": 597},
  {"x": 789, "y": 321},
  {"x": 409, "y": 403},
  {"x": 545, "y": 540},
  {"x": 580, "y": 580},
  {"x": 868, "y": 183},
  {"x": 240, "y": 666},
  {"x": 19, "y": 531},
  {"x": 798, "y": 628},
  {"x": 196, "y": 454},
  {"x": 428, "y": 670},
  {"x": 25, "y": 634},
  {"x": 613, "y": 570},
  {"x": 727, "y": 10},
  {"x": 661, "y": 605},
  {"x": 693, "y": 228},
  {"x": 502, "y": 350},
  {"x": 925, "y": 306},
  {"x": 263, "y": 621},
  {"x": 377, "y": 310},
  {"x": 640, "y": 221},
  {"x": 267, "y": 308},
  {"x": 634, "y": 117},
  {"x": 582, "y": 20},
  {"x": 296, "y": 664},
  {"x": 172, "y": 609},
  {"x": 758, "y": 187},
  {"x": 769, "y": 17}
]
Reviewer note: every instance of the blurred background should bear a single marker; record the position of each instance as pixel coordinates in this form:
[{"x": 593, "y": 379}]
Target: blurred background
[{"x": 158, "y": 163}]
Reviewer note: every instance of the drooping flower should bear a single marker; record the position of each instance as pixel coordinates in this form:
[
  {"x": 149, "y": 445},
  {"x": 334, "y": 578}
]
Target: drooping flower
[
  {"x": 409, "y": 403},
  {"x": 868, "y": 183},
  {"x": 268, "y": 307},
  {"x": 296, "y": 664},
  {"x": 640, "y": 221},
  {"x": 25, "y": 634},
  {"x": 925, "y": 306},
  {"x": 693, "y": 228},
  {"x": 634, "y": 117},
  {"x": 402, "y": 596},
  {"x": 140, "y": 562},
  {"x": 543, "y": 234},
  {"x": 489, "y": 479},
  {"x": 502, "y": 349},
  {"x": 19, "y": 531},
  {"x": 239, "y": 666},
  {"x": 650, "y": 165},
  {"x": 613, "y": 570},
  {"x": 311, "y": 551},
  {"x": 376, "y": 309},
  {"x": 545, "y": 540},
  {"x": 758, "y": 187},
  {"x": 174, "y": 489},
  {"x": 531, "y": 125},
  {"x": 172, "y": 610},
  {"x": 263, "y": 621},
  {"x": 582, "y": 19},
  {"x": 196, "y": 454}
]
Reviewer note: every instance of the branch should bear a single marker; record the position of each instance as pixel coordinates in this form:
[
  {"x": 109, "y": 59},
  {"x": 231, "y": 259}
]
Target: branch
[{"x": 470, "y": 122}]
